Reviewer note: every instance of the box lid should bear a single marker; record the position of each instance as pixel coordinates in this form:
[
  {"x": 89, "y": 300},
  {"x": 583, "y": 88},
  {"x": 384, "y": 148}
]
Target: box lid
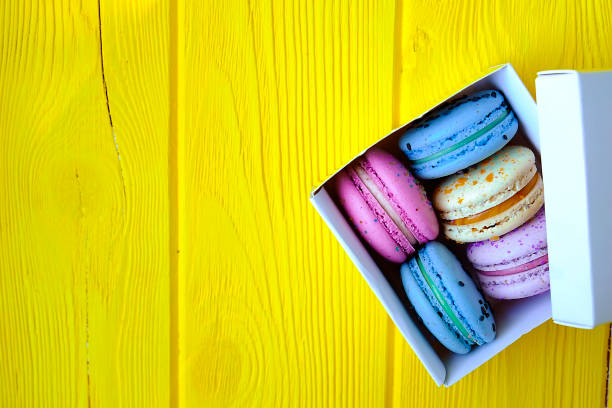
[{"x": 575, "y": 120}]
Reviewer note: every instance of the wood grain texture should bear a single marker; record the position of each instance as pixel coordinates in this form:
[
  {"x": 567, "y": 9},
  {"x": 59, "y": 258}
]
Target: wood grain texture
[
  {"x": 442, "y": 49},
  {"x": 156, "y": 243},
  {"x": 84, "y": 215},
  {"x": 276, "y": 97},
  {"x": 135, "y": 49},
  {"x": 437, "y": 49}
]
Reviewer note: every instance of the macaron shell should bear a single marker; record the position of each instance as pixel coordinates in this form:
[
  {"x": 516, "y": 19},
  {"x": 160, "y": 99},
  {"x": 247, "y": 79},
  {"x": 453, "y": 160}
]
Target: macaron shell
[
  {"x": 366, "y": 221},
  {"x": 459, "y": 290},
  {"x": 404, "y": 191},
  {"x": 451, "y": 123},
  {"x": 378, "y": 209},
  {"x": 470, "y": 154},
  {"x": 485, "y": 185},
  {"x": 424, "y": 285},
  {"x": 454, "y": 123},
  {"x": 517, "y": 247},
  {"x": 501, "y": 223},
  {"x": 518, "y": 285},
  {"x": 434, "y": 323}
]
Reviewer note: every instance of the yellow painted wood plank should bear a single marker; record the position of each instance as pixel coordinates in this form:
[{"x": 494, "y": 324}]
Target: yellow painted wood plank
[
  {"x": 443, "y": 47},
  {"x": 277, "y": 96},
  {"x": 59, "y": 175},
  {"x": 133, "y": 326},
  {"x": 84, "y": 215},
  {"x": 552, "y": 366},
  {"x": 267, "y": 101}
]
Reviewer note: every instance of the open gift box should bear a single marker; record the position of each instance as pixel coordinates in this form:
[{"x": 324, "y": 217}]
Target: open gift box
[{"x": 574, "y": 139}]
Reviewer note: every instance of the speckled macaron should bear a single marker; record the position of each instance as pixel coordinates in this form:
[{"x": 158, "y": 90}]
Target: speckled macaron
[
  {"x": 459, "y": 134},
  {"x": 515, "y": 265},
  {"x": 446, "y": 299},
  {"x": 492, "y": 198},
  {"x": 386, "y": 205}
]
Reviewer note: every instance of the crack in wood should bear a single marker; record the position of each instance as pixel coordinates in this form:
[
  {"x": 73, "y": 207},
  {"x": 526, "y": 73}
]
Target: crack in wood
[
  {"x": 87, "y": 337},
  {"x": 108, "y": 109},
  {"x": 82, "y": 213}
]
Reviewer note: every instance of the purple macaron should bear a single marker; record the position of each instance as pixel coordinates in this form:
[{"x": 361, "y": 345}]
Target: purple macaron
[{"x": 514, "y": 266}]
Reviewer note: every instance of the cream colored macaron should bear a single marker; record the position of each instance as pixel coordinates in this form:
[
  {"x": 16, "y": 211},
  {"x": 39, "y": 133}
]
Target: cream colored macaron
[{"x": 492, "y": 198}]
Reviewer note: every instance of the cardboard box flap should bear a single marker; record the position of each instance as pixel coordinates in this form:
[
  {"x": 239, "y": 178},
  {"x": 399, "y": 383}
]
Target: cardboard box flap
[{"x": 575, "y": 120}]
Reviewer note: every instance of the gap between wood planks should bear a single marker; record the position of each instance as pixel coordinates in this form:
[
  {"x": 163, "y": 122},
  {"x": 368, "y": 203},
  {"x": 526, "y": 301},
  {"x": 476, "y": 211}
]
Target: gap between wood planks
[
  {"x": 87, "y": 361},
  {"x": 174, "y": 191}
]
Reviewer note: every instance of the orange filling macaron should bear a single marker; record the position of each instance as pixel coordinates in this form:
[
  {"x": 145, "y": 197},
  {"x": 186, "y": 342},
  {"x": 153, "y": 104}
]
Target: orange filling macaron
[{"x": 499, "y": 208}]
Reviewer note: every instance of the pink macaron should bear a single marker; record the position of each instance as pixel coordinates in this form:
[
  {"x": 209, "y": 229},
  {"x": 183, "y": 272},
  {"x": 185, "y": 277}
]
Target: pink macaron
[
  {"x": 514, "y": 266},
  {"x": 387, "y": 205}
]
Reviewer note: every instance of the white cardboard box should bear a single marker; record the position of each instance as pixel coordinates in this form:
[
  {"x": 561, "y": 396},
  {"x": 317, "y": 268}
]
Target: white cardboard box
[
  {"x": 576, "y": 127},
  {"x": 589, "y": 304}
]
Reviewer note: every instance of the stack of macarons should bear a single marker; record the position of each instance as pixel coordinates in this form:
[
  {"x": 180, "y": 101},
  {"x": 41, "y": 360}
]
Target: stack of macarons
[
  {"x": 490, "y": 197},
  {"x": 390, "y": 210}
]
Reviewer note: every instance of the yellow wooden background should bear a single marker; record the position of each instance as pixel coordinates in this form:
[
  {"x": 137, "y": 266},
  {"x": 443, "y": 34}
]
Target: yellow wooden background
[{"x": 157, "y": 246}]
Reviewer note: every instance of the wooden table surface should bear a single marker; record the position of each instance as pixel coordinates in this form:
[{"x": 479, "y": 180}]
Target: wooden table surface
[{"x": 156, "y": 240}]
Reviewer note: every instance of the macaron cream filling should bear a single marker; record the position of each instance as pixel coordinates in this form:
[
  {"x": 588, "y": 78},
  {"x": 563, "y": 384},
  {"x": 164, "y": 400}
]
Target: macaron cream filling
[
  {"x": 443, "y": 303},
  {"x": 465, "y": 141},
  {"x": 501, "y": 207},
  {"x": 516, "y": 269},
  {"x": 385, "y": 204}
]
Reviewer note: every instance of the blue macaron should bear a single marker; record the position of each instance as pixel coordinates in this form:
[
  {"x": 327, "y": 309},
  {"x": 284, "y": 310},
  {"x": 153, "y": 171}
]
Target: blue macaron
[
  {"x": 460, "y": 134},
  {"x": 446, "y": 299}
]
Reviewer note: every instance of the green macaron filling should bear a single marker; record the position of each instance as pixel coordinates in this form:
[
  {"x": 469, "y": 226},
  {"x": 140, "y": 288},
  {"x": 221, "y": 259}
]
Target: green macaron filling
[
  {"x": 464, "y": 141},
  {"x": 442, "y": 302}
]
